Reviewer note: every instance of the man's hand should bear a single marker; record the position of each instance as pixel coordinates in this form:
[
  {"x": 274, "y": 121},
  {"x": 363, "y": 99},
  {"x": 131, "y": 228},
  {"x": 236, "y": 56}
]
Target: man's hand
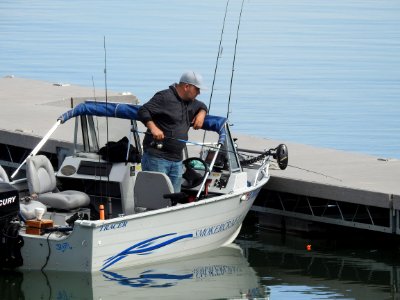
[
  {"x": 155, "y": 131},
  {"x": 199, "y": 119}
]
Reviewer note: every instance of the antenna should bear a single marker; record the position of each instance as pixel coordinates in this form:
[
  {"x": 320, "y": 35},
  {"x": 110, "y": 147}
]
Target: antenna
[
  {"x": 109, "y": 205},
  {"x": 105, "y": 78},
  {"x": 105, "y": 66}
]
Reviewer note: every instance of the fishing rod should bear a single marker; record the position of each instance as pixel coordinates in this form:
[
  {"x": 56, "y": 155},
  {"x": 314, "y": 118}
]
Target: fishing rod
[
  {"x": 234, "y": 59},
  {"x": 97, "y": 121},
  {"x": 311, "y": 171},
  {"x": 283, "y": 153},
  {"x": 216, "y": 63},
  {"x": 159, "y": 144},
  {"x": 279, "y": 153},
  {"x": 218, "y": 55},
  {"x": 94, "y": 90},
  {"x": 97, "y": 140}
]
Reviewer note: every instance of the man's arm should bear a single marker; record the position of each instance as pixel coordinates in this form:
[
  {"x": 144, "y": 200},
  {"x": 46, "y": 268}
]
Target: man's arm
[
  {"x": 145, "y": 115},
  {"x": 199, "y": 119}
]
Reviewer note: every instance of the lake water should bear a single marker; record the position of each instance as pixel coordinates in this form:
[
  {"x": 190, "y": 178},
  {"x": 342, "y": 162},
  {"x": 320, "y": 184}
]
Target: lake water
[
  {"x": 261, "y": 265},
  {"x": 323, "y": 73}
]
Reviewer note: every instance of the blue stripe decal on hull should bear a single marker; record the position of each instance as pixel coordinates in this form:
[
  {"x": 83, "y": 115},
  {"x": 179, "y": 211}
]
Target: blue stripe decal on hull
[
  {"x": 148, "y": 279},
  {"x": 145, "y": 247}
]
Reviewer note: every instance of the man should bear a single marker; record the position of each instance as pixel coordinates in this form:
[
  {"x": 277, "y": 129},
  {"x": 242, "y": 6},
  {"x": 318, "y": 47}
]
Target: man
[{"x": 168, "y": 116}]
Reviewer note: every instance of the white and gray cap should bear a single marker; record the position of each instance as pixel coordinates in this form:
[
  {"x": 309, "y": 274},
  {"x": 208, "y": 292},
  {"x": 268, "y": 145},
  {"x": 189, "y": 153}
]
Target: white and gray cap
[{"x": 193, "y": 78}]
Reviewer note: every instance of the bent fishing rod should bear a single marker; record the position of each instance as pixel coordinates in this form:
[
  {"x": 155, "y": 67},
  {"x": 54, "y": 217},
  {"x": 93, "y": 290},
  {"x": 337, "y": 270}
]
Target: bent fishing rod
[
  {"x": 280, "y": 153},
  {"x": 175, "y": 139}
]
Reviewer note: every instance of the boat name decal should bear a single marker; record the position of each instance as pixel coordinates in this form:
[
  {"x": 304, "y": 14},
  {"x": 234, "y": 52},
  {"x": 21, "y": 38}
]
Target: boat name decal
[
  {"x": 112, "y": 226},
  {"x": 160, "y": 279},
  {"x": 215, "y": 270},
  {"x": 218, "y": 228},
  {"x": 63, "y": 247},
  {"x": 7, "y": 201},
  {"x": 145, "y": 247}
]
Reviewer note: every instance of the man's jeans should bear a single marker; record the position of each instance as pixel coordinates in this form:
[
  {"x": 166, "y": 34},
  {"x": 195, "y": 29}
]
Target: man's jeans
[{"x": 172, "y": 168}]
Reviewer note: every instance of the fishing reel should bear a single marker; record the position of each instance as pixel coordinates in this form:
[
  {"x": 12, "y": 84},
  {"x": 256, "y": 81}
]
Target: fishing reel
[{"x": 156, "y": 144}]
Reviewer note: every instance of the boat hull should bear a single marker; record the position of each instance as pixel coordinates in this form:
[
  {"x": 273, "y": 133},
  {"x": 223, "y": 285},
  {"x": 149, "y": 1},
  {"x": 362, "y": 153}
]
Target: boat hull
[{"x": 142, "y": 238}]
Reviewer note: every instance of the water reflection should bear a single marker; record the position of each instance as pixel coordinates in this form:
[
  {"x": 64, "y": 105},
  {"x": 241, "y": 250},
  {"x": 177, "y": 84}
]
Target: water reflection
[
  {"x": 262, "y": 266},
  {"x": 221, "y": 274},
  {"x": 329, "y": 270}
]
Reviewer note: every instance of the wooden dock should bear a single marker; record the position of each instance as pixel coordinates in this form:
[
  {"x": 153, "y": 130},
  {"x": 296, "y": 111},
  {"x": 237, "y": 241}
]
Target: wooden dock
[
  {"x": 31, "y": 107},
  {"x": 330, "y": 186},
  {"x": 320, "y": 185}
]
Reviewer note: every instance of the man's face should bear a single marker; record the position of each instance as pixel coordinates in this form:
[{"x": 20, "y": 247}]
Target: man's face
[{"x": 191, "y": 92}]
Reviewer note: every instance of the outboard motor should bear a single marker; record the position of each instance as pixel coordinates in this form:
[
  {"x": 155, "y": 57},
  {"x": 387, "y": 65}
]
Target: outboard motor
[{"x": 10, "y": 240}]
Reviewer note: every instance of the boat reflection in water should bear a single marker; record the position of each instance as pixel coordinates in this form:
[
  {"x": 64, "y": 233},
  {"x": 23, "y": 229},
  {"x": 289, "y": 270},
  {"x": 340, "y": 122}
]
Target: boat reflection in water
[
  {"x": 261, "y": 267},
  {"x": 222, "y": 273},
  {"x": 292, "y": 267}
]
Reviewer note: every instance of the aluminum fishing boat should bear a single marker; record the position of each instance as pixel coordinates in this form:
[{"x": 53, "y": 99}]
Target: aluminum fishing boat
[{"x": 143, "y": 220}]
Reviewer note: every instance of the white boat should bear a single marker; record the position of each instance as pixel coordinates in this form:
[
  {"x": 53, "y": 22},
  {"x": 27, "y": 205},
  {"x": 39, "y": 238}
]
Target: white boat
[{"x": 145, "y": 221}]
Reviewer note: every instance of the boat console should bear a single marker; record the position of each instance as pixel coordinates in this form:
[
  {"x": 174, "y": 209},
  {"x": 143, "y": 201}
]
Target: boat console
[{"x": 101, "y": 180}]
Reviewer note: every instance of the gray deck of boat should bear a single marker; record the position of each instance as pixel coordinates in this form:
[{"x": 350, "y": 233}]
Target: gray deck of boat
[{"x": 31, "y": 107}]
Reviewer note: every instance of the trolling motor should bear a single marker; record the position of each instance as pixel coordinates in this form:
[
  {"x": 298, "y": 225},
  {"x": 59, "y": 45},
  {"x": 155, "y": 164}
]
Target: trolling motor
[
  {"x": 282, "y": 156},
  {"x": 279, "y": 153}
]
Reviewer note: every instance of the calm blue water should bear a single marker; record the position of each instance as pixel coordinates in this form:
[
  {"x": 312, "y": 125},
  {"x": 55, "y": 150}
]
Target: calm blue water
[{"x": 324, "y": 73}]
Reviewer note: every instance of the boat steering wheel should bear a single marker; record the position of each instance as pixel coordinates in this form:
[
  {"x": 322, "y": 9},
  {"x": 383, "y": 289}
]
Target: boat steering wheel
[{"x": 194, "y": 172}]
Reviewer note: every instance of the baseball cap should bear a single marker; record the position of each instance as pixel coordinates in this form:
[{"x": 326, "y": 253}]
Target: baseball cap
[{"x": 193, "y": 78}]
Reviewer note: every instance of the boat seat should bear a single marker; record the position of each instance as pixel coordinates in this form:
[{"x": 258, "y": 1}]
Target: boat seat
[
  {"x": 3, "y": 175},
  {"x": 27, "y": 208},
  {"x": 89, "y": 155},
  {"x": 42, "y": 182},
  {"x": 149, "y": 190}
]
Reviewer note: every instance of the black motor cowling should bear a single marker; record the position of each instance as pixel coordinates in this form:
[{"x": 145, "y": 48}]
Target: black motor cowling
[
  {"x": 10, "y": 240},
  {"x": 9, "y": 201}
]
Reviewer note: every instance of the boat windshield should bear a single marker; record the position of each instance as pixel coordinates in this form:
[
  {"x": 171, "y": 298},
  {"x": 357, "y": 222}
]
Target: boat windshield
[{"x": 92, "y": 132}]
